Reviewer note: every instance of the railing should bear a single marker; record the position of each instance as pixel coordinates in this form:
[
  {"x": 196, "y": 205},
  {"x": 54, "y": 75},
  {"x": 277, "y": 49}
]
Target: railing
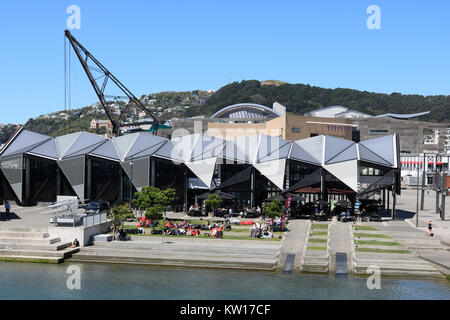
[{"x": 94, "y": 219}]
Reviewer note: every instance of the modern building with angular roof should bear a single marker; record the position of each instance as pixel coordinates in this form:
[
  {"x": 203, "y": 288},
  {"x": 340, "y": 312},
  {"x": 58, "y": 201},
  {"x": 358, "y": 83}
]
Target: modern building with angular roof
[{"x": 36, "y": 168}]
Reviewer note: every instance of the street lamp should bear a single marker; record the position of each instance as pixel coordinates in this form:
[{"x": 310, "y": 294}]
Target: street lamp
[
  {"x": 417, "y": 185},
  {"x": 131, "y": 181}
]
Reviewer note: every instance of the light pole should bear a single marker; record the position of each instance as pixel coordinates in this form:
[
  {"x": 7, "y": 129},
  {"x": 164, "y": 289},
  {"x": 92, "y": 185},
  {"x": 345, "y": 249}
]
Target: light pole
[
  {"x": 131, "y": 181},
  {"x": 417, "y": 204}
]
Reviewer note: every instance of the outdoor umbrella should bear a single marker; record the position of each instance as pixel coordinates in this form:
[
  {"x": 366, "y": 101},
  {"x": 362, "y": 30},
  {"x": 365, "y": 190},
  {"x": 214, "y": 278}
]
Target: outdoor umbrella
[
  {"x": 296, "y": 198},
  {"x": 343, "y": 204}
]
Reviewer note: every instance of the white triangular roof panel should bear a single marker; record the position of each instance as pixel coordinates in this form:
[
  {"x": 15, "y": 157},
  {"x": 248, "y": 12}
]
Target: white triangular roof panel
[
  {"x": 203, "y": 169},
  {"x": 273, "y": 170},
  {"x": 346, "y": 171}
]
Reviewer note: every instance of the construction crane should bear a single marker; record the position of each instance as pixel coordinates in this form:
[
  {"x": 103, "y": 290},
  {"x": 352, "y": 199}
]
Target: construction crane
[{"x": 106, "y": 77}]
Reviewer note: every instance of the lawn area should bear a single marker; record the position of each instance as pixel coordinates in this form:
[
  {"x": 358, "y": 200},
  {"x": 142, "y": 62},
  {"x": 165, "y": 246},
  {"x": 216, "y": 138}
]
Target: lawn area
[
  {"x": 378, "y": 243},
  {"x": 226, "y": 237},
  {"x": 381, "y": 250},
  {"x": 319, "y": 226},
  {"x": 317, "y": 240},
  {"x": 319, "y": 233},
  {"x": 316, "y": 248},
  {"x": 368, "y": 235},
  {"x": 366, "y": 228}
]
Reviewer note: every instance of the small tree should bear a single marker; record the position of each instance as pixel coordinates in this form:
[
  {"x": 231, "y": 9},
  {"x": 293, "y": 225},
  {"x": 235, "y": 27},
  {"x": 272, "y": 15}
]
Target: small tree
[
  {"x": 273, "y": 209},
  {"x": 213, "y": 201},
  {"x": 169, "y": 196},
  {"x": 118, "y": 215},
  {"x": 154, "y": 213},
  {"x": 154, "y": 201},
  {"x": 147, "y": 197}
]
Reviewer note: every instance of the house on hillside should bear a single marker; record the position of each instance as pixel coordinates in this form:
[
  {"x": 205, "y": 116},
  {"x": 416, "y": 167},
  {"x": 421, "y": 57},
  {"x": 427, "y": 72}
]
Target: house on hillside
[{"x": 97, "y": 124}]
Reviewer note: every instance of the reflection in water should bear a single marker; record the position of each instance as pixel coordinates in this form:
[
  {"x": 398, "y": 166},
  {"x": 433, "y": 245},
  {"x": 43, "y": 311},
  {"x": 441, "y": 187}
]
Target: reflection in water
[{"x": 36, "y": 281}]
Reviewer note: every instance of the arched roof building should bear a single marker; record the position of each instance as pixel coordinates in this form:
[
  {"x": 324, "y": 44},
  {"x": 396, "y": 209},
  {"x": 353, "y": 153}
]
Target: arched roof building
[{"x": 246, "y": 111}]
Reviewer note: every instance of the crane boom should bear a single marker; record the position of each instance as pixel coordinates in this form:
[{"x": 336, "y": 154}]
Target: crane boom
[{"x": 100, "y": 90}]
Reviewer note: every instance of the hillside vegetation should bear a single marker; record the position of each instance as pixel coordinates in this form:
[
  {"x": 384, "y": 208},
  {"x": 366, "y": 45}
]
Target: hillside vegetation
[{"x": 298, "y": 99}]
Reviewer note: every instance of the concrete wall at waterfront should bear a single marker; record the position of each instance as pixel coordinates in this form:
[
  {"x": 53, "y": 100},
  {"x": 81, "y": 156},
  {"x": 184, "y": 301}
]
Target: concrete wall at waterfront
[{"x": 83, "y": 234}]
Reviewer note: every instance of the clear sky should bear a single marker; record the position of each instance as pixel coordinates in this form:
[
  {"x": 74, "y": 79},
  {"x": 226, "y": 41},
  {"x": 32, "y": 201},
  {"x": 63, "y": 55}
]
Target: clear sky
[{"x": 167, "y": 45}]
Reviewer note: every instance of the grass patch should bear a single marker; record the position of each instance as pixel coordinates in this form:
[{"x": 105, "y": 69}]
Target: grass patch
[
  {"x": 240, "y": 230},
  {"x": 381, "y": 250},
  {"x": 319, "y": 233},
  {"x": 316, "y": 248},
  {"x": 368, "y": 235},
  {"x": 226, "y": 237},
  {"x": 317, "y": 240},
  {"x": 367, "y": 228},
  {"x": 320, "y": 226},
  {"x": 379, "y": 243}
]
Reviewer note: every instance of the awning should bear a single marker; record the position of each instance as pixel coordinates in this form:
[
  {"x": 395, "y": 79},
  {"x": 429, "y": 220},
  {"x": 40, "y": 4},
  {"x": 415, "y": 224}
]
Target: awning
[
  {"x": 236, "y": 179},
  {"x": 385, "y": 181},
  {"x": 309, "y": 181},
  {"x": 222, "y": 195}
]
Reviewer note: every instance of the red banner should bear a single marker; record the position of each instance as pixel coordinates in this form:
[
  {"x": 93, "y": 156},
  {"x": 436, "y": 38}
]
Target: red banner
[{"x": 288, "y": 201}]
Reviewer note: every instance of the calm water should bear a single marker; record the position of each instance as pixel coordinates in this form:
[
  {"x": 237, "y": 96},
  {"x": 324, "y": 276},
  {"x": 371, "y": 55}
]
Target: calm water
[{"x": 39, "y": 281}]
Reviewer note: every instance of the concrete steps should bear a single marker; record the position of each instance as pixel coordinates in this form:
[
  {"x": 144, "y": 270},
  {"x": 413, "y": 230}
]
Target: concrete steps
[
  {"x": 217, "y": 262},
  {"x": 33, "y": 245},
  {"x": 5, "y": 240},
  {"x": 197, "y": 254},
  {"x": 393, "y": 264},
  {"x": 65, "y": 253},
  {"x": 316, "y": 261},
  {"x": 177, "y": 253},
  {"x": 26, "y": 235}
]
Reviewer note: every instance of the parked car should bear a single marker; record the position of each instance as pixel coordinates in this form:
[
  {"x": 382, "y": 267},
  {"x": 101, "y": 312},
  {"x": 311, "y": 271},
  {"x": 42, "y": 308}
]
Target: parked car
[{"x": 96, "y": 207}]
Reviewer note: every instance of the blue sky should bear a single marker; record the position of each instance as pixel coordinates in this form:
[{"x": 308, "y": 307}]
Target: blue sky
[{"x": 168, "y": 45}]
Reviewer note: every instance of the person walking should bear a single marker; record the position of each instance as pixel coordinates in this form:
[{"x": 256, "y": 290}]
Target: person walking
[
  {"x": 7, "y": 208},
  {"x": 430, "y": 228}
]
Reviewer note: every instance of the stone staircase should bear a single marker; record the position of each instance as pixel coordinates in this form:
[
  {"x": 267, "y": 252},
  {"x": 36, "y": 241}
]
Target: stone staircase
[
  {"x": 397, "y": 260},
  {"x": 223, "y": 254},
  {"x": 316, "y": 261},
  {"x": 33, "y": 245}
]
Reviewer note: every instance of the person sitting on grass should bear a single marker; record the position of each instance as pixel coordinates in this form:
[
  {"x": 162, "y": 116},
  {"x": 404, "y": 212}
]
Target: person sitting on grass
[
  {"x": 181, "y": 232},
  {"x": 189, "y": 232},
  {"x": 196, "y": 233},
  {"x": 220, "y": 232}
]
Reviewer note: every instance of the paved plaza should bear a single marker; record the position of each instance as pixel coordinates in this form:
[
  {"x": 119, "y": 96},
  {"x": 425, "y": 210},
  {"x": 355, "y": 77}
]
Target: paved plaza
[{"x": 425, "y": 252}]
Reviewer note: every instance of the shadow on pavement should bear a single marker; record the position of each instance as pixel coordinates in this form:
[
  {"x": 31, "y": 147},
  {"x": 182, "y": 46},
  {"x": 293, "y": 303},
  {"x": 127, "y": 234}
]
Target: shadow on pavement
[
  {"x": 403, "y": 214},
  {"x": 11, "y": 216}
]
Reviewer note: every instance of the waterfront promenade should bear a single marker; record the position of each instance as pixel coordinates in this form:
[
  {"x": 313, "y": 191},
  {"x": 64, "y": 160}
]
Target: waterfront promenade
[{"x": 397, "y": 246}]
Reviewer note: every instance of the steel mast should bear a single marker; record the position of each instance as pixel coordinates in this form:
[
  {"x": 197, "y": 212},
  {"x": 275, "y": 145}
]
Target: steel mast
[{"x": 84, "y": 56}]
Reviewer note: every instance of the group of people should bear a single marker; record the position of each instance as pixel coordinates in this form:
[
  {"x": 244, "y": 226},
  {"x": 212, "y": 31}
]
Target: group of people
[
  {"x": 180, "y": 229},
  {"x": 261, "y": 231},
  {"x": 197, "y": 208}
]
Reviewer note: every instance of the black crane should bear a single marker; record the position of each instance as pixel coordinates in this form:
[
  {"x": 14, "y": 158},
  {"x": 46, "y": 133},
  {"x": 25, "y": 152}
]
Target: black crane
[{"x": 85, "y": 57}]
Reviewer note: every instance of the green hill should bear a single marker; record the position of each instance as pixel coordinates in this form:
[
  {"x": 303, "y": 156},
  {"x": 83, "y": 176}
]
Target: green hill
[{"x": 298, "y": 99}]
